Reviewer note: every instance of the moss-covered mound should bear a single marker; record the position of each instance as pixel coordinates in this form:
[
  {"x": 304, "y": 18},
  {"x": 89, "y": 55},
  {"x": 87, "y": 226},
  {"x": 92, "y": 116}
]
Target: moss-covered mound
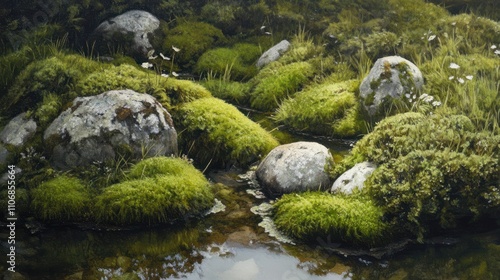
[
  {"x": 62, "y": 199},
  {"x": 230, "y": 91},
  {"x": 427, "y": 188},
  {"x": 193, "y": 39},
  {"x": 434, "y": 171},
  {"x": 168, "y": 91},
  {"x": 159, "y": 190},
  {"x": 315, "y": 215},
  {"x": 213, "y": 131},
  {"x": 237, "y": 62},
  {"x": 275, "y": 83},
  {"x": 325, "y": 109}
]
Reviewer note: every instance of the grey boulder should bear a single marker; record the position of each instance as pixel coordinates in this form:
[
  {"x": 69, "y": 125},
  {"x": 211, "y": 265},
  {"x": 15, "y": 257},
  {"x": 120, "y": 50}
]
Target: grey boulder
[
  {"x": 16, "y": 133},
  {"x": 130, "y": 30},
  {"x": 295, "y": 167},
  {"x": 98, "y": 128},
  {"x": 391, "y": 77},
  {"x": 273, "y": 53},
  {"x": 353, "y": 178}
]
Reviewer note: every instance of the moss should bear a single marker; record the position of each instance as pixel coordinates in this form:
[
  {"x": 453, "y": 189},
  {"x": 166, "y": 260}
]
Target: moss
[
  {"x": 193, "y": 39},
  {"x": 239, "y": 61},
  {"x": 49, "y": 109},
  {"x": 400, "y": 134},
  {"x": 436, "y": 187},
  {"x": 159, "y": 190},
  {"x": 324, "y": 109},
  {"x": 62, "y": 199},
  {"x": 216, "y": 132},
  {"x": 232, "y": 92},
  {"x": 168, "y": 91},
  {"x": 315, "y": 215},
  {"x": 52, "y": 75},
  {"x": 275, "y": 83}
]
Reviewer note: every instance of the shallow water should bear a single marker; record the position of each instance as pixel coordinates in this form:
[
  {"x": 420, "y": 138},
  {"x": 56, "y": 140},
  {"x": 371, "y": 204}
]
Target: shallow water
[{"x": 231, "y": 245}]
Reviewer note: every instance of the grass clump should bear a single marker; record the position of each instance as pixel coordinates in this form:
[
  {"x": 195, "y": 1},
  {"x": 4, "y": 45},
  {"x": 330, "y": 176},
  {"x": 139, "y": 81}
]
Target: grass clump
[
  {"x": 61, "y": 199},
  {"x": 275, "y": 83},
  {"x": 159, "y": 190},
  {"x": 325, "y": 109},
  {"x": 232, "y": 92},
  {"x": 214, "y": 131},
  {"x": 314, "y": 215}
]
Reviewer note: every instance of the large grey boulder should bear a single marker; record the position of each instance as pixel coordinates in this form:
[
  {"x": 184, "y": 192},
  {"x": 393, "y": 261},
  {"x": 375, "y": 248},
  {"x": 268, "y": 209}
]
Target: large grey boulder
[
  {"x": 295, "y": 167},
  {"x": 96, "y": 128},
  {"x": 353, "y": 178},
  {"x": 130, "y": 30},
  {"x": 273, "y": 53},
  {"x": 391, "y": 77},
  {"x": 16, "y": 133}
]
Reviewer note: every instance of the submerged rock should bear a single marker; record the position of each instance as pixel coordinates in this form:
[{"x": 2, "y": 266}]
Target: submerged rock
[
  {"x": 391, "y": 77},
  {"x": 295, "y": 167},
  {"x": 353, "y": 178},
  {"x": 273, "y": 53},
  {"x": 97, "y": 128},
  {"x": 130, "y": 29}
]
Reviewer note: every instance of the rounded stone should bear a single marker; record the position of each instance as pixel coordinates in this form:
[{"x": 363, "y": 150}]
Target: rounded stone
[
  {"x": 353, "y": 178},
  {"x": 295, "y": 167}
]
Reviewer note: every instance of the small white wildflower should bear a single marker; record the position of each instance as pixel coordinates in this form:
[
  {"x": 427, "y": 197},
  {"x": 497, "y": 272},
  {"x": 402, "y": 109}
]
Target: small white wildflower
[
  {"x": 428, "y": 99},
  {"x": 469, "y": 77},
  {"x": 460, "y": 80},
  {"x": 175, "y": 74},
  {"x": 407, "y": 96},
  {"x": 414, "y": 96},
  {"x": 262, "y": 27},
  {"x": 423, "y": 96},
  {"x": 176, "y": 49},
  {"x": 267, "y": 33},
  {"x": 432, "y": 37},
  {"x": 454, "y": 23},
  {"x": 146, "y": 65},
  {"x": 436, "y": 103},
  {"x": 493, "y": 47},
  {"x": 454, "y": 65},
  {"x": 497, "y": 52},
  {"x": 164, "y": 75},
  {"x": 451, "y": 78},
  {"x": 164, "y": 57},
  {"x": 422, "y": 37}
]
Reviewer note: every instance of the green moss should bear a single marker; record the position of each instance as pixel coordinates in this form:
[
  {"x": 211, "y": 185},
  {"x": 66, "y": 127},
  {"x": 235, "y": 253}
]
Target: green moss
[
  {"x": 436, "y": 187},
  {"x": 63, "y": 199},
  {"x": 168, "y": 91},
  {"x": 239, "y": 61},
  {"x": 315, "y": 215},
  {"x": 159, "y": 190},
  {"x": 49, "y": 109},
  {"x": 233, "y": 92},
  {"x": 324, "y": 109},
  {"x": 193, "y": 39},
  {"x": 214, "y": 131},
  {"x": 275, "y": 83}
]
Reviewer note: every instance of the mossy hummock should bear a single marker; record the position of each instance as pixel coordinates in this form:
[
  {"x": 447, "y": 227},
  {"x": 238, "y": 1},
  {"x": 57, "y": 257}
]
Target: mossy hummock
[
  {"x": 325, "y": 109},
  {"x": 158, "y": 190},
  {"x": 61, "y": 199},
  {"x": 317, "y": 216},
  {"x": 275, "y": 83},
  {"x": 215, "y": 132}
]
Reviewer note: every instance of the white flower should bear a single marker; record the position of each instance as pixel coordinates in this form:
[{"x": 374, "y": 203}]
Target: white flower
[
  {"x": 454, "y": 66},
  {"x": 175, "y": 74},
  {"x": 432, "y": 37},
  {"x": 164, "y": 57},
  {"x": 407, "y": 96},
  {"x": 423, "y": 96},
  {"x": 436, "y": 103},
  {"x": 146, "y": 65},
  {"x": 153, "y": 57},
  {"x": 428, "y": 99},
  {"x": 176, "y": 49},
  {"x": 451, "y": 78},
  {"x": 267, "y": 33},
  {"x": 262, "y": 27},
  {"x": 497, "y": 52},
  {"x": 469, "y": 77},
  {"x": 460, "y": 80},
  {"x": 414, "y": 96},
  {"x": 164, "y": 75},
  {"x": 454, "y": 23},
  {"x": 493, "y": 47}
]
